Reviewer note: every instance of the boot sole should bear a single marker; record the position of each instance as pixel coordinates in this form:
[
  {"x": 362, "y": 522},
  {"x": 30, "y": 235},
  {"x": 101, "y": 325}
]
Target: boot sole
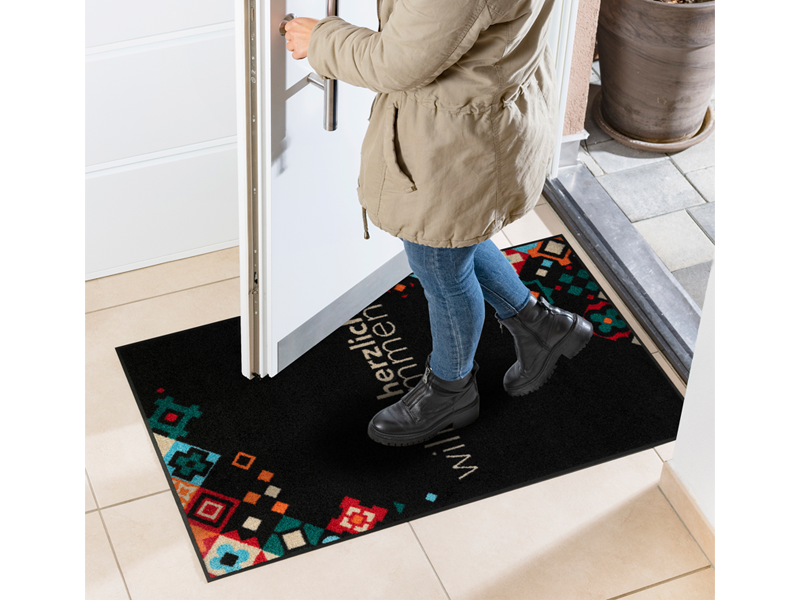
[
  {"x": 457, "y": 420},
  {"x": 575, "y": 341}
]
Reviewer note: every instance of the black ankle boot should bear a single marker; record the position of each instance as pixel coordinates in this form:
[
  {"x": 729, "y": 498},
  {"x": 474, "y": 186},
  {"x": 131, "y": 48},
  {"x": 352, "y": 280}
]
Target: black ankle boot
[
  {"x": 542, "y": 333},
  {"x": 432, "y": 405}
]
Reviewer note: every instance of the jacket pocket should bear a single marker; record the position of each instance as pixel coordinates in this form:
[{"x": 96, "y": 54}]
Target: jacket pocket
[{"x": 390, "y": 152}]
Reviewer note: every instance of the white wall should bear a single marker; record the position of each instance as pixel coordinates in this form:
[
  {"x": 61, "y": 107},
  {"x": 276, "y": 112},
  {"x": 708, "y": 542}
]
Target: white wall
[
  {"x": 160, "y": 132},
  {"x": 693, "y": 457}
]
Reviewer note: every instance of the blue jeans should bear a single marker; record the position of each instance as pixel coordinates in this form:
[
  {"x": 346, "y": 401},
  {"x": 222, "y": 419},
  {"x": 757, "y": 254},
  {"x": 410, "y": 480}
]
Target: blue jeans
[{"x": 456, "y": 283}]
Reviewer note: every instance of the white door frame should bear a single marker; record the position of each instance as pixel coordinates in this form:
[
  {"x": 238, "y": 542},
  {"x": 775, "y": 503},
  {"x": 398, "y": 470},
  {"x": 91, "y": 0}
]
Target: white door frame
[{"x": 561, "y": 39}]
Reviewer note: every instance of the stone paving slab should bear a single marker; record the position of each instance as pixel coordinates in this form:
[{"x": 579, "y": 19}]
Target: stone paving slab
[
  {"x": 703, "y": 181},
  {"x": 613, "y": 156},
  {"x": 704, "y": 217},
  {"x": 695, "y": 281},
  {"x": 700, "y": 156},
  {"x": 668, "y": 197},
  {"x": 650, "y": 190},
  {"x": 677, "y": 240}
]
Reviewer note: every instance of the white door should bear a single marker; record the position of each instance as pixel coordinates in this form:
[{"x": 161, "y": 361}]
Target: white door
[{"x": 306, "y": 266}]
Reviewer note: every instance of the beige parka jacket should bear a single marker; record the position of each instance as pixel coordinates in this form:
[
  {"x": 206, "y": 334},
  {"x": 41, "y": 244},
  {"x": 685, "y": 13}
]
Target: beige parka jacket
[{"x": 463, "y": 124}]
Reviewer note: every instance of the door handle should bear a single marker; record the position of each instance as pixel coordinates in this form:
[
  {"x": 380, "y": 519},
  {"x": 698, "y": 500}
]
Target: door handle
[{"x": 329, "y": 87}]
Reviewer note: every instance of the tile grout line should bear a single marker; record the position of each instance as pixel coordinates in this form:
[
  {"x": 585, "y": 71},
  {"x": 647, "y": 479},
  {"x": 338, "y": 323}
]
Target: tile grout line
[
  {"x": 670, "y": 212},
  {"x": 108, "y": 536},
  {"x": 691, "y": 535},
  {"x": 91, "y": 490},
  {"x": 648, "y": 587},
  {"x": 652, "y": 161},
  {"x": 439, "y": 579},
  {"x": 127, "y": 501},
  {"x": 655, "y": 448},
  {"x": 695, "y": 187},
  {"x": 674, "y": 164},
  {"x": 696, "y": 222},
  {"x": 194, "y": 287}
]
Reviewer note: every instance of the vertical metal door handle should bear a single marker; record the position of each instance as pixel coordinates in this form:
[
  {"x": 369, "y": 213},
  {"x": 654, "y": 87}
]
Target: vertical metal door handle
[
  {"x": 330, "y": 87},
  {"x": 331, "y": 91}
]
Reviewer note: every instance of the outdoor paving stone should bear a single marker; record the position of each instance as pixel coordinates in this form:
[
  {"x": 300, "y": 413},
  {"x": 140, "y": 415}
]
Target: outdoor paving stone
[
  {"x": 703, "y": 181},
  {"x": 695, "y": 280},
  {"x": 677, "y": 240},
  {"x": 594, "y": 78},
  {"x": 699, "y": 156},
  {"x": 651, "y": 190},
  {"x": 596, "y": 134},
  {"x": 613, "y": 156},
  {"x": 704, "y": 217}
]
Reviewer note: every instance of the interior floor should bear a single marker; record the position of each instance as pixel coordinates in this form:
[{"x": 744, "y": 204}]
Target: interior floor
[{"x": 601, "y": 533}]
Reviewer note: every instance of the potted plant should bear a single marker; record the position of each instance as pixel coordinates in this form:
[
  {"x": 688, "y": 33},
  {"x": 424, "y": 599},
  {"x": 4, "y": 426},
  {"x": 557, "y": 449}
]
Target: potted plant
[{"x": 657, "y": 72}]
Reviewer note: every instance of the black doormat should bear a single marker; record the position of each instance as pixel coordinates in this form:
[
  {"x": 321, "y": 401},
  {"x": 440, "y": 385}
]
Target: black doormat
[{"x": 267, "y": 469}]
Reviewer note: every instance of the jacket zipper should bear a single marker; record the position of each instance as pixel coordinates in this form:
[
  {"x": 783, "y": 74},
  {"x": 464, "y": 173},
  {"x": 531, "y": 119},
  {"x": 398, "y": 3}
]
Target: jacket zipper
[{"x": 364, "y": 210}]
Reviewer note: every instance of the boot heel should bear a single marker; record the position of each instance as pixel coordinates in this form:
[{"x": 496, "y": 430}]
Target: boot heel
[
  {"x": 578, "y": 338},
  {"x": 466, "y": 415}
]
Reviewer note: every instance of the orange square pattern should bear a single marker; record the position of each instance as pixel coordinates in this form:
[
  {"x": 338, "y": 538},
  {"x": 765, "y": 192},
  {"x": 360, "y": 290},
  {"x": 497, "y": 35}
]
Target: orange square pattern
[
  {"x": 249, "y": 461},
  {"x": 265, "y": 476},
  {"x": 280, "y": 507},
  {"x": 252, "y": 497}
]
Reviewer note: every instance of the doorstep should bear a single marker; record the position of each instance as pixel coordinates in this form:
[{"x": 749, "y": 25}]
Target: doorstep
[{"x": 637, "y": 274}]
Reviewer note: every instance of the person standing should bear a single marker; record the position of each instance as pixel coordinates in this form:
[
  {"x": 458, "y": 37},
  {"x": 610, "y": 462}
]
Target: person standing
[{"x": 459, "y": 138}]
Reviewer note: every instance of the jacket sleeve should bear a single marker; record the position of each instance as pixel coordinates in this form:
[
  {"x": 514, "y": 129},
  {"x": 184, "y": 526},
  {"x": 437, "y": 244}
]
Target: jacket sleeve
[{"x": 420, "y": 39}]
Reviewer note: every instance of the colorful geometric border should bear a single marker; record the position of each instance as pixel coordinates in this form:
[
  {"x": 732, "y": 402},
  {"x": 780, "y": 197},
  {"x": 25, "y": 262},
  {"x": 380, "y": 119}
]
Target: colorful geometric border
[{"x": 208, "y": 515}]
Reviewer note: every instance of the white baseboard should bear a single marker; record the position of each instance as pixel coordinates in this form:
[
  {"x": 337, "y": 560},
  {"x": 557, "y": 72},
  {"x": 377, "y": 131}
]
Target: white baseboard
[
  {"x": 162, "y": 259},
  {"x": 685, "y": 505}
]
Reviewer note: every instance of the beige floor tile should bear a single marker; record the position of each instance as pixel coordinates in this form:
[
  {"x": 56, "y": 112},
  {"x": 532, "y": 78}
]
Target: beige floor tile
[
  {"x": 90, "y": 503},
  {"x": 594, "y": 534},
  {"x": 500, "y": 240},
  {"x": 665, "y": 451},
  {"x": 158, "y": 561},
  {"x": 162, "y": 279},
  {"x": 695, "y": 586},
  {"x": 103, "y": 579},
  {"x": 120, "y": 459},
  {"x": 543, "y": 222},
  {"x": 530, "y": 227}
]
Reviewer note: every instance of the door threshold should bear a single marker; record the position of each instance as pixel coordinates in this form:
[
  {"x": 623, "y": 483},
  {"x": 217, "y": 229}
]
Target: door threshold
[{"x": 660, "y": 304}]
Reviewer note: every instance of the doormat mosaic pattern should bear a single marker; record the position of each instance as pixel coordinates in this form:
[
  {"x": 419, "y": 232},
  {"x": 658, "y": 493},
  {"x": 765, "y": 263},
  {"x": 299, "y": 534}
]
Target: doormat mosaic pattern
[{"x": 268, "y": 469}]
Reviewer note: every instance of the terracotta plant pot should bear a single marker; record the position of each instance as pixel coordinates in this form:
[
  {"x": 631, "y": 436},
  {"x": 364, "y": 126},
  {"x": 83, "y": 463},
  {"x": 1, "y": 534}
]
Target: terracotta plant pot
[{"x": 657, "y": 73}]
